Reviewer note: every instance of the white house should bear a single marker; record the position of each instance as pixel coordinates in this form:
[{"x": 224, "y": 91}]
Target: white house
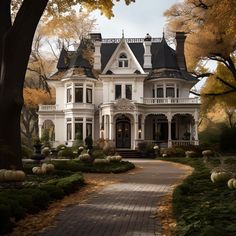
[{"x": 136, "y": 90}]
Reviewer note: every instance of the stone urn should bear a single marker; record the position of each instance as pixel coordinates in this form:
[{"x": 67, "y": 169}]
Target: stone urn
[{"x": 37, "y": 155}]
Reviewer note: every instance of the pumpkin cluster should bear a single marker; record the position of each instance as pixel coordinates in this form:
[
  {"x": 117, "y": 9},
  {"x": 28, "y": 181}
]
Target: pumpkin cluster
[
  {"x": 44, "y": 169},
  {"x": 12, "y": 175}
]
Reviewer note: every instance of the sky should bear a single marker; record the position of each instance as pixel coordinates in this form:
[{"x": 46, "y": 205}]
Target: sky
[{"x": 137, "y": 19}]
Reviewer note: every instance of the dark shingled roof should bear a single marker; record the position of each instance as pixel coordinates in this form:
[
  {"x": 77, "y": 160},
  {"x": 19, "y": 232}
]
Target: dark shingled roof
[
  {"x": 164, "y": 56},
  {"x": 164, "y": 59},
  {"x": 63, "y": 61}
]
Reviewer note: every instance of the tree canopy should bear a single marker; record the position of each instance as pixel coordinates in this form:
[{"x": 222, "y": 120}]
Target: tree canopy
[{"x": 211, "y": 29}]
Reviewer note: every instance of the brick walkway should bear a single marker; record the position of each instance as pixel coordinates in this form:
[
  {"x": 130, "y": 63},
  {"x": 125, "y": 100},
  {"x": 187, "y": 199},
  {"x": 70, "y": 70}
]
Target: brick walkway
[{"x": 125, "y": 208}]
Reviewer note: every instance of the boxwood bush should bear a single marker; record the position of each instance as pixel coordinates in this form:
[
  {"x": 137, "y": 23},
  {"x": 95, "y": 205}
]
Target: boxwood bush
[
  {"x": 202, "y": 208},
  {"x": 15, "y": 203}
]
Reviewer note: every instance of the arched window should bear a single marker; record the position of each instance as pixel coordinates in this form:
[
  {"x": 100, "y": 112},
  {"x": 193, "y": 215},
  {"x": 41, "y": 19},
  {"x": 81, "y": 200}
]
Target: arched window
[{"x": 123, "y": 60}]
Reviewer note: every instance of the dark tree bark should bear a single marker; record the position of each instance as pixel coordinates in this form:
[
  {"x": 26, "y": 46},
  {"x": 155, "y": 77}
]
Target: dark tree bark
[{"x": 15, "y": 48}]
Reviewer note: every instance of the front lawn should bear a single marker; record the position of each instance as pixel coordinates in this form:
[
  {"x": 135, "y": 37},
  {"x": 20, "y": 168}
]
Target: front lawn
[{"x": 201, "y": 207}]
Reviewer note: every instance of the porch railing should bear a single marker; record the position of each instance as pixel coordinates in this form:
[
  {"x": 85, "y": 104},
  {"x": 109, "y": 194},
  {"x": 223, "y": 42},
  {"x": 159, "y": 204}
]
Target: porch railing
[
  {"x": 48, "y": 107},
  {"x": 171, "y": 100}
]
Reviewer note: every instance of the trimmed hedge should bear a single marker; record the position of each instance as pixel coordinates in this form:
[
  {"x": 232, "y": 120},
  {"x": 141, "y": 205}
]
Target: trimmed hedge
[
  {"x": 16, "y": 203},
  {"x": 75, "y": 165},
  {"x": 202, "y": 208}
]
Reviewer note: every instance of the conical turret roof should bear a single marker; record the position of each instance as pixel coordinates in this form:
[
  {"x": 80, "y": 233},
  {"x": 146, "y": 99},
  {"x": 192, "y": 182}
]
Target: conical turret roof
[{"x": 164, "y": 57}]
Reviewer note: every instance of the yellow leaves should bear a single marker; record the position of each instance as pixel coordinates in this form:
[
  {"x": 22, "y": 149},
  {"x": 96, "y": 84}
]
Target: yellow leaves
[{"x": 33, "y": 97}]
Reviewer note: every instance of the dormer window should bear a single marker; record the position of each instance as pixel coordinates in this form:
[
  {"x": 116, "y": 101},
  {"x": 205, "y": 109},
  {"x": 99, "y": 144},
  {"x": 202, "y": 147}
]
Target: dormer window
[{"x": 123, "y": 60}]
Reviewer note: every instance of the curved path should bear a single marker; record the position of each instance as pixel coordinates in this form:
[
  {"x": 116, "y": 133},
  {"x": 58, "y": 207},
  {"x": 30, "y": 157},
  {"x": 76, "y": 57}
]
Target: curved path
[{"x": 124, "y": 208}]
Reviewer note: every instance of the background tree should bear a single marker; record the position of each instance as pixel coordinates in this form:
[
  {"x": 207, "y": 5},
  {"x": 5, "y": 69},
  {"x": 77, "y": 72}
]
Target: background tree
[
  {"x": 211, "y": 28},
  {"x": 15, "y": 47}
]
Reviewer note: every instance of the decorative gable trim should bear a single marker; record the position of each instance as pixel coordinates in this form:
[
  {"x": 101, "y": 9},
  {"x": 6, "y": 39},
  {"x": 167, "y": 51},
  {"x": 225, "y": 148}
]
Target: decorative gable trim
[{"x": 123, "y": 47}]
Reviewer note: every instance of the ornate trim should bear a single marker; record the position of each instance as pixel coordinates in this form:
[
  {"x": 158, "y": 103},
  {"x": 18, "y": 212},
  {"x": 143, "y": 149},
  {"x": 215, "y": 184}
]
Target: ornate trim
[{"x": 124, "y": 104}]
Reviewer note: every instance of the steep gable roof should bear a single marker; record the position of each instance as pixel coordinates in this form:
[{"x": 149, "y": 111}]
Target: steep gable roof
[{"x": 116, "y": 50}]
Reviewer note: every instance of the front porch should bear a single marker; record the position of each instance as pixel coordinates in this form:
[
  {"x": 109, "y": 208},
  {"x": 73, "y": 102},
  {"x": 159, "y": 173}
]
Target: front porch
[{"x": 127, "y": 130}]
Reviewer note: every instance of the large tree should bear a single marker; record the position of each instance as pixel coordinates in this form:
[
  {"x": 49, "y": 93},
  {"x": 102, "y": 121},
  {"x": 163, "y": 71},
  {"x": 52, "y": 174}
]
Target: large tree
[
  {"x": 211, "y": 29},
  {"x": 15, "y": 47}
]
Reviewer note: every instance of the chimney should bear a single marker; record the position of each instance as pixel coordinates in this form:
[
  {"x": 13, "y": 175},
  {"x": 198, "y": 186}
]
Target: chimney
[
  {"x": 97, "y": 41},
  {"x": 147, "y": 52},
  {"x": 180, "y": 39}
]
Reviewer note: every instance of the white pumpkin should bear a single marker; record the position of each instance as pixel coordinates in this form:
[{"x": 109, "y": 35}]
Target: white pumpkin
[
  {"x": 2, "y": 175},
  {"x": 101, "y": 161},
  {"x": 50, "y": 168},
  {"x": 9, "y": 175},
  {"x": 230, "y": 183},
  {"x": 234, "y": 183},
  {"x": 37, "y": 170},
  {"x": 207, "y": 153},
  {"x": 44, "y": 167},
  {"x": 221, "y": 176},
  {"x": 19, "y": 175}
]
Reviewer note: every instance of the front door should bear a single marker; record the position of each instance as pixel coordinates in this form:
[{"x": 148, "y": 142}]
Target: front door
[{"x": 123, "y": 133}]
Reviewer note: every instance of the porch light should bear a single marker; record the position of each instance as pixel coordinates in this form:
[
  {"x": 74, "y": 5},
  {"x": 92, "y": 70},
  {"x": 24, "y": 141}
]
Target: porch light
[{"x": 140, "y": 131}]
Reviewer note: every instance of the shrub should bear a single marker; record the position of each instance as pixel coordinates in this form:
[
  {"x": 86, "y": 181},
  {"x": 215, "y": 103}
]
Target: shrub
[
  {"x": 227, "y": 140},
  {"x": 54, "y": 191},
  {"x": 98, "y": 154},
  {"x": 46, "y": 151},
  {"x": 71, "y": 183},
  {"x": 26, "y": 152},
  {"x": 5, "y": 214},
  {"x": 61, "y": 147},
  {"x": 67, "y": 153}
]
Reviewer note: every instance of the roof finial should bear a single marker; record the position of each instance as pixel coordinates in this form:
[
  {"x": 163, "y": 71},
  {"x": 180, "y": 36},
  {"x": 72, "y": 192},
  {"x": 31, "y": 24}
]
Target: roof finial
[
  {"x": 123, "y": 34},
  {"x": 163, "y": 33}
]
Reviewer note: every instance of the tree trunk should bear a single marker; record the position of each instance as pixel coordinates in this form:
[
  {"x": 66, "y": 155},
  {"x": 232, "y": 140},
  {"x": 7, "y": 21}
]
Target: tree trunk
[{"x": 15, "y": 49}]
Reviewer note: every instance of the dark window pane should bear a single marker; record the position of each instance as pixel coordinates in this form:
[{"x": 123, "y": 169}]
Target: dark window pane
[
  {"x": 78, "y": 94},
  {"x": 69, "y": 131},
  {"x": 120, "y": 63},
  {"x": 89, "y": 95},
  {"x": 79, "y": 131},
  {"x": 170, "y": 92},
  {"x": 128, "y": 92},
  {"x": 126, "y": 63},
  {"x": 88, "y": 129},
  {"x": 117, "y": 91},
  {"x": 68, "y": 95},
  {"x": 160, "y": 93}
]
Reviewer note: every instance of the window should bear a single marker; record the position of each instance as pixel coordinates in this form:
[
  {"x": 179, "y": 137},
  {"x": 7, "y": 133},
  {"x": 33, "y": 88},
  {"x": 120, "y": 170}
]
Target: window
[
  {"x": 117, "y": 91},
  {"x": 69, "y": 95},
  {"x": 160, "y": 93},
  {"x": 69, "y": 131},
  {"x": 170, "y": 92},
  {"x": 123, "y": 60},
  {"x": 128, "y": 92},
  {"x": 88, "y": 129},
  {"x": 78, "y": 94},
  {"x": 89, "y": 95},
  {"x": 79, "y": 128}
]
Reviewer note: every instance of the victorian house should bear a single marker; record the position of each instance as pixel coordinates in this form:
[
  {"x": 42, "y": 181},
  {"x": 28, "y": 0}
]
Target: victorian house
[{"x": 127, "y": 90}]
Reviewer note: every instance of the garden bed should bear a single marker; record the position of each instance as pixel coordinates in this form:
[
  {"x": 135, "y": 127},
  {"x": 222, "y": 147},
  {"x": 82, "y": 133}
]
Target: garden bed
[
  {"x": 202, "y": 207},
  {"x": 33, "y": 195},
  {"x": 75, "y": 165}
]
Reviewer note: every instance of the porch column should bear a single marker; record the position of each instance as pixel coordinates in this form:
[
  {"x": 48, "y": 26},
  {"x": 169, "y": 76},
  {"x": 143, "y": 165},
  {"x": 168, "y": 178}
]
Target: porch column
[
  {"x": 135, "y": 129},
  {"x": 84, "y": 128},
  {"x": 143, "y": 127},
  {"x": 169, "y": 118},
  {"x": 105, "y": 127},
  {"x": 40, "y": 130},
  {"x": 84, "y": 93},
  {"x": 196, "y": 133},
  {"x": 111, "y": 128},
  {"x": 100, "y": 124},
  {"x": 73, "y": 129}
]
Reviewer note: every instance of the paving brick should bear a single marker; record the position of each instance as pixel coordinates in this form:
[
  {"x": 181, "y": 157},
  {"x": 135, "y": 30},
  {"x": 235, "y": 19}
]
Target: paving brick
[{"x": 126, "y": 208}]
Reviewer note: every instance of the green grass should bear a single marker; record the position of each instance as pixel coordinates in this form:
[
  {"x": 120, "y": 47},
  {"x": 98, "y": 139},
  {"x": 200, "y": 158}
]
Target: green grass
[{"x": 202, "y": 208}]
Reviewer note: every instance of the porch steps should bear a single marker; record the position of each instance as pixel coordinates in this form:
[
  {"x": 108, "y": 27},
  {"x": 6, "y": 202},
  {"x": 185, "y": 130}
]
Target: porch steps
[{"x": 129, "y": 153}]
